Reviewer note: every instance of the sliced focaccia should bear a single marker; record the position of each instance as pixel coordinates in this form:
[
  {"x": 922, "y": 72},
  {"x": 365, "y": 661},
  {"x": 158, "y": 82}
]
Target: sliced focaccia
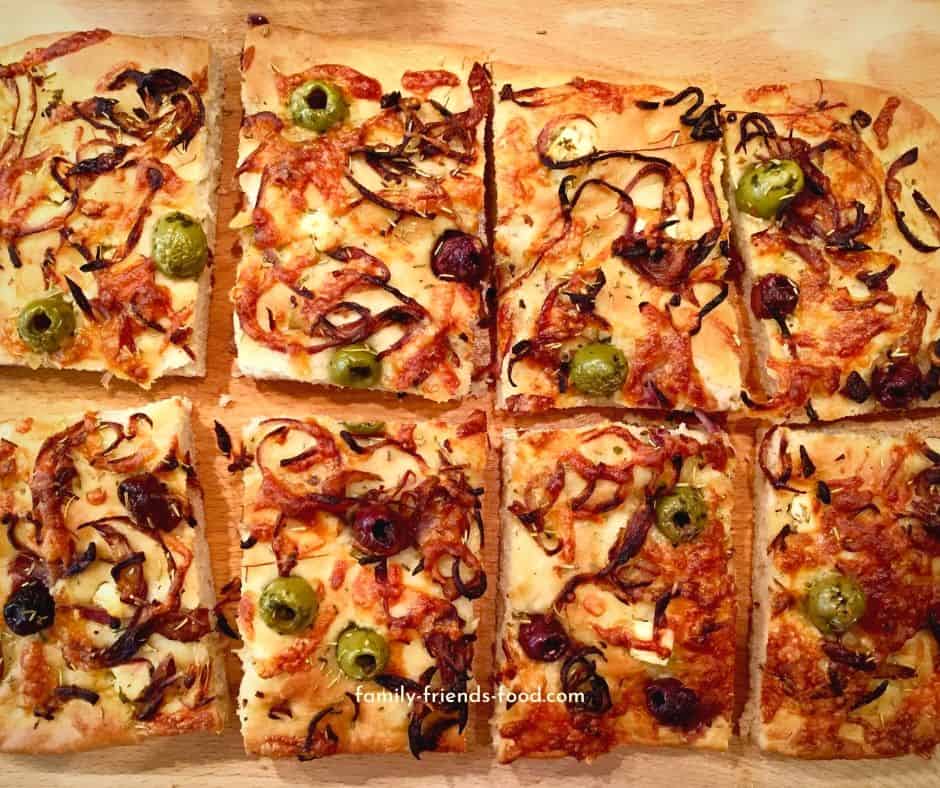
[
  {"x": 617, "y": 591},
  {"x": 847, "y": 594},
  {"x": 611, "y": 246},
  {"x": 108, "y": 633},
  {"x": 361, "y": 563},
  {"x": 833, "y": 185},
  {"x": 361, "y": 166},
  {"x": 109, "y": 161}
]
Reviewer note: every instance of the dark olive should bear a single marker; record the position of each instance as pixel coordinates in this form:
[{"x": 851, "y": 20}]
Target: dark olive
[
  {"x": 896, "y": 384},
  {"x": 459, "y": 257},
  {"x": 598, "y": 369},
  {"x": 179, "y": 247},
  {"x": 46, "y": 323},
  {"x": 318, "y": 105},
  {"x": 380, "y": 530},
  {"x": 671, "y": 702},
  {"x": 766, "y": 187},
  {"x": 30, "y": 609},
  {"x": 834, "y": 603},
  {"x": 149, "y": 502},
  {"x": 543, "y": 638},
  {"x": 361, "y": 653},
  {"x": 773, "y": 296},
  {"x": 356, "y": 366},
  {"x": 288, "y": 604},
  {"x": 681, "y": 514}
]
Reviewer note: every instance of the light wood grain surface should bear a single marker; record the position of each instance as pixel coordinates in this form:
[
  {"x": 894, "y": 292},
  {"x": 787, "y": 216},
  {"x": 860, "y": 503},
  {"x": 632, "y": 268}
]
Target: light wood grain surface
[{"x": 895, "y": 46}]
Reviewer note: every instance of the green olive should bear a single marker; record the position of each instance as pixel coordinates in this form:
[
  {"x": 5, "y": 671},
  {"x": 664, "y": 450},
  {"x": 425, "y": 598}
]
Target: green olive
[
  {"x": 834, "y": 603},
  {"x": 361, "y": 653},
  {"x": 365, "y": 427},
  {"x": 179, "y": 247},
  {"x": 598, "y": 369},
  {"x": 288, "y": 604},
  {"x": 355, "y": 365},
  {"x": 318, "y": 105},
  {"x": 46, "y": 323},
  {"x": 681, "y": 514},
  {"x": 765, "y": 187}
]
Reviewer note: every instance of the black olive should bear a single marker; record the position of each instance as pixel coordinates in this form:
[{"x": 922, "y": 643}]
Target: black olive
[
  {"x": 671, "y": 702},
  {"x": 774, "y": 296},
  {"x": 380, "y": 530},
  {"x": 897, "y": 383},
  {"x": 855, "y": 388},
  {"x": 543, "y": 638},
  {"x": 29, "y": 609},
  {"x": 459, "y": 257},
  {"x": 149, "y": 502}
]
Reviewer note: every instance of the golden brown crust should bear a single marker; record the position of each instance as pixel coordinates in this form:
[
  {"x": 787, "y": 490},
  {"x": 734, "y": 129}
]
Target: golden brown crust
[
  {"x": 597, "y": 238},
  {"x": 347, "y": 195},
  {"x": 424, "y": 481},
  {"x": 858, "y": 504},
  {"x": 863, "y": 278},
  {"x": 137, "y": 324},
  {"x": 130, "y": 653},
  {"x": 582, "y": 556}
]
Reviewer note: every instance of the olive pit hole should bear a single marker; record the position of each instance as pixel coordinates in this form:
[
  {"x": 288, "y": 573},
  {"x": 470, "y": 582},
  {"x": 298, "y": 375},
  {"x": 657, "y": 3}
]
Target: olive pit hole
[
  {"x": 366, "y": 663},
  {"x": 317, "y": 98},
  {"x": 40, "y": 322}
]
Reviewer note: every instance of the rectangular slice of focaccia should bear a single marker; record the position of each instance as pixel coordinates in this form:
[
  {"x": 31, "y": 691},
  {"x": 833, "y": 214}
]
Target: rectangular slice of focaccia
[
  {"x": 361, "y": 166},
  {"x": 108, "y": 633},
  {"x": 104, "y": 140},
  {"x": 841, "y": 261},
  {"x": 617, "y": 591},
  {"x": 611, "y": 244},
  {"x": 845, "y": 629},
  {"x": 361, "y": 563}
]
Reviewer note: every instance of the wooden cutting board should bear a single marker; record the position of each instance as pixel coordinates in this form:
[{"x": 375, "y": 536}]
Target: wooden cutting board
[{"x": 737, "y": 42}]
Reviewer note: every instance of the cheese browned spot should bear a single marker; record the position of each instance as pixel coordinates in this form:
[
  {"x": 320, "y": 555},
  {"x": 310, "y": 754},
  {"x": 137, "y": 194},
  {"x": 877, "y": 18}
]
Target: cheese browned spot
[
  {"x": 100, "y": 137},
  {"x": 611, "y": 227},
  {"x": 343, "y": 229},
  {"x": 103, "y": 516},
  {"x": 867, "y": 685},
  {"x": 385, "y": 530},
  {"x": 603, "y": 597}
]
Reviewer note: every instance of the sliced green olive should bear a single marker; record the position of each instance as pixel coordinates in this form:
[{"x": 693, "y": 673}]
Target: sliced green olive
[
  {"x": 361, "y": 653},
  {"x": 765, "y": 187},
  {"x": 288, "y": 604},
  {"x": 681, "y": 514},
  {"x": 179, "y": 247},
  {"x": 365, "y": 427},
  {"x": 318, "y": 105},
  {"x": 598, "y": 369},
  {"x": 834, "y": 603},
  {"x": 46, "y": 323},
  {"x": 357, "y": 366}
]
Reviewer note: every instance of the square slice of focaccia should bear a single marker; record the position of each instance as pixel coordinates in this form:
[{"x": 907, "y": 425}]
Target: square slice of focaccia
[
  {"x": 617, "y": 620},
  {"x": 109, "y": 162},
  {"x": 832, "y": 204},
  {"x": 108, "y": 633},
  {"x": 361, "y": 563},
  {"x": 845, "y": 628},
  {"x": 611, "y": 243},
  {"x": 361, "y": 166}
]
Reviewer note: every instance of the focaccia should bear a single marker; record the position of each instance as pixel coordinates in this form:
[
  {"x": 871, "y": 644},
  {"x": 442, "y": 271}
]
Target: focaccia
[
  {"x": 361, "y": 563},
  {"x": 841, "y": 262},
  {"x": 108, "y": 633},
  {"x": 611, "y": 246},
  {"x": 617, "y": 590},
  {"x": 361, "y": 166},
  {"x": 845, "y": 628},
  {"x": 104, "y": 141}
]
